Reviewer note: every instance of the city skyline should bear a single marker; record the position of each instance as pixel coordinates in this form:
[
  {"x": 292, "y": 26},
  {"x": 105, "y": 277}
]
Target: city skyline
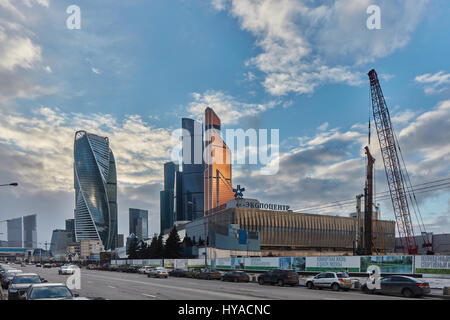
[{"x": 132, "y": 78}]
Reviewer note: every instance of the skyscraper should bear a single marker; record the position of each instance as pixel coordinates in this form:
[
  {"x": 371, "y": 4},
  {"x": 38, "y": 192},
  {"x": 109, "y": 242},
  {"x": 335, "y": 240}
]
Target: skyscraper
[
  {"x": 14, "y": 227},
  {"x": 95, "y": 190},
  {"x": 138, "y": 223},
  {"x": 192, "y": 189},
  {"x": 29, "y": 231},
  {"x": 60, "y": 243},
  {"x": 167, "y": 196},
  {"x": 217, "y": 176},
  {"x": 70, "y": 227}
]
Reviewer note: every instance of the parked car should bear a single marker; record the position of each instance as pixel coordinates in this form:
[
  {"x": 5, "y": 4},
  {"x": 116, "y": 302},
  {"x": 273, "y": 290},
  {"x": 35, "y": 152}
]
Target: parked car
[
  {"x": 158, "y": 272},
  {"x": 179, "y": 272},
  {"x": 400, "y": 285},
  {"x": 38, "y": 264},
  {"x": 8, "y": 276},
  {"x": 279, "y": 276},
  {"x": 144, "y": 269},
  {"x": 20, "y": 283},
  {"x": 209, "y": 274},
  {"x": 236, "y": 276},
  {"x": 49, "y": 291},
  {"x": 333, "y": 280},
  {"x": 193, "y": 272},
  {"x": 47, "y": 265},
  {"x": 92, "y": 267},
  {"x": 67, "y": 269}
]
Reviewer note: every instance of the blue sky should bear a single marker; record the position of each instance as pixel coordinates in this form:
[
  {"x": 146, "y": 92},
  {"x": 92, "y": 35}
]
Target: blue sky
[{"x": 136, "y": 67}]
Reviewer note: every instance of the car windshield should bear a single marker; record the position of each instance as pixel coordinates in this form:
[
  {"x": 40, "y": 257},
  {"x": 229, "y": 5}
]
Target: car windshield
[
  {"x": 50, "y": 292},
  {"x": 26, "y": 279},
  {"x": 342, "y": 275}
]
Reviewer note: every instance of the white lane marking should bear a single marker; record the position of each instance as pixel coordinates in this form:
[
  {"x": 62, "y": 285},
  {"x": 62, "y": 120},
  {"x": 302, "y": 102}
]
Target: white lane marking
[
  {"x": 112, "y": 287},
  {"x": 148, "y": 295},
  {"x": 203, "y": 291}
]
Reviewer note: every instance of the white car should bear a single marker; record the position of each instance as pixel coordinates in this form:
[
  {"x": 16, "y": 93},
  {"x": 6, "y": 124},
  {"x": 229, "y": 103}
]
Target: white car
[
  {"x": 144, "y": 269},
  {"x": 333, "y": 280},
  {"x": 66, "y": 270}
]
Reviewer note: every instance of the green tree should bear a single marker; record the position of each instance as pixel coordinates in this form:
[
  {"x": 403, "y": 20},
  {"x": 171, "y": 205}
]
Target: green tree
[
  {"x": 132, "y": 251},
  {"x": 173, "y": 247},
  {"x": 152, "y": 249},
  {"x": 142, "y": 250},
  {"x": 160, "y": 247}
]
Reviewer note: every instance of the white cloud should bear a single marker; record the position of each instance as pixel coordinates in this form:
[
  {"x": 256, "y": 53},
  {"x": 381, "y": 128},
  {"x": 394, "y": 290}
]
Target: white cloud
[
  {"x": 323, "y": 126},
  {"x": 227, "y": 107},
  {"x": 48, "y": 69},
  {"x": 305, "y": 44},
  {"x": 95, "y": 70},
  {"x": 434, "y": 83}
]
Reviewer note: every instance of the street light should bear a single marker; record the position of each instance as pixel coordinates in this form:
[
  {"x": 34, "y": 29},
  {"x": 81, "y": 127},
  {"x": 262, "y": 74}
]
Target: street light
[{"x": 13, "y": 184}]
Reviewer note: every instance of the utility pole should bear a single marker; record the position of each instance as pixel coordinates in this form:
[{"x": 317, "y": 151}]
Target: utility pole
[{"x": 368, "y": 204}]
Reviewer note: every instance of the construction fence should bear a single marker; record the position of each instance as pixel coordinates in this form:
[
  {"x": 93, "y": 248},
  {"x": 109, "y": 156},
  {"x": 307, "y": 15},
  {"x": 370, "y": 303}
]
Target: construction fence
[{"x": 407, "y": 264}]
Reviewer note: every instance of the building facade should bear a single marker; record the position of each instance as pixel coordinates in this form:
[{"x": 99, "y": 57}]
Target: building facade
[
  {"x": 289, "y": 231},
  {"x": 121, "y": 241},
  {"x": 30, "y": 231},
  {"x": 90, "y": 249},
  {"x": 14, "y": 227},
  {"x": 95, "y": 190},
  {"x": 70, "y": 227},
  {"x": 138, "y": 223},
  {"x": 60, "y": 243},
  {"x": 192, "y": 188},
  {"x": 167, "y": 196},
  {"x": 218, "y": 188}
]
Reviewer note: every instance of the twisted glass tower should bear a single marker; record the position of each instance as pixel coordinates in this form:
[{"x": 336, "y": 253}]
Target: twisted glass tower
[{"x": 95, "y": 190}]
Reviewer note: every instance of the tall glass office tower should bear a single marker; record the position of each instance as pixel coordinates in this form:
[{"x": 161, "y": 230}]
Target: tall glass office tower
[
  {"x": 95, "y": 190},
  {"x": 138, "y": 223},
  {"x": 15, "y": 232},
  {"x": 29, "y": 231},
  {"x": 193, "y": 168}
]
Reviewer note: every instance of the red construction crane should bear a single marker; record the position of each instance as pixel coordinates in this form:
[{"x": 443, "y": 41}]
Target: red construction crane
[{"x": 394, "y": 172}]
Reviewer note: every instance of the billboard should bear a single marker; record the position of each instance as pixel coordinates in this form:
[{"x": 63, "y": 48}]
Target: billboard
[
  {"x": 432, "y": 264},
  {"x": 223, "y": 263},
  {"x": 389, "y": 264},
  {"x": 261, "y": 264},
  {"x": 180, "y": 263},
  {"x": 298, "y": 263},
  {"x": 333, "y": 263}
]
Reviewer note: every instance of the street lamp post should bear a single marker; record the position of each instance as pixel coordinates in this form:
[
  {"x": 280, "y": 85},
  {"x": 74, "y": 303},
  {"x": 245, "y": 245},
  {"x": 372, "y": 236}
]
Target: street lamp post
[{"x": 13, "y": 184}]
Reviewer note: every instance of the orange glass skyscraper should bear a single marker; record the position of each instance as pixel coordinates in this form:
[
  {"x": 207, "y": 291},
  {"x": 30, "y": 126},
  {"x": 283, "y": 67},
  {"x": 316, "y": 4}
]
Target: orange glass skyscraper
[{"x": 218, "y": 187}]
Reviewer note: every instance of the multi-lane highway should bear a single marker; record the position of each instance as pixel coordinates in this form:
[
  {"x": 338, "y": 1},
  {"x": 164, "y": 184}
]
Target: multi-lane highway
[{"x": 132, "y": 286}]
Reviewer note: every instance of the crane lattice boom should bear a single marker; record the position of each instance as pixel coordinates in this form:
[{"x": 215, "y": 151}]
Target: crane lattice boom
[{"x": 394, "y": 175}]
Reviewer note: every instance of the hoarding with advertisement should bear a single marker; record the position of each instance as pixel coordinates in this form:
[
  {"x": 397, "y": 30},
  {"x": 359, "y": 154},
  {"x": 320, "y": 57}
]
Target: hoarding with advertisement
[
  {"x": 261, "y": 264},
  {"x": 389, "y": 264},
  {"x": 432, "y": 264},
  {"x": 333, "y": 263}
]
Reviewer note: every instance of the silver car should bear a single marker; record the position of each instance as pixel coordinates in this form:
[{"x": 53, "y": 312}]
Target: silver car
[{"x": 333, "y": 280}]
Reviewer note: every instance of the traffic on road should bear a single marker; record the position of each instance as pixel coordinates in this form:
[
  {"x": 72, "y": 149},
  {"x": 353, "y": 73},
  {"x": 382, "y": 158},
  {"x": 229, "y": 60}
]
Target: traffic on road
[{"x": 32, "y": 282}]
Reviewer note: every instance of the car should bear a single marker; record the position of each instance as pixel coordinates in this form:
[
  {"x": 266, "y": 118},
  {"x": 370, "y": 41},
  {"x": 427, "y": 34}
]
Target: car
[
  {"x": 400, "y": 285},
  {"x": 23, "y": 264},
  {"x": 8, "y": 276},
  {"x": 209, "y": 274},
  {"x": 20, "y": 283},
  {"x": 67, "y": 269},
  {"x": 279, "y": 276},
  {"x": 92, "y": 267},
  {"x": 49, "y": 291},
  {"x": 159, "y": 272},
  {"x": 144, "y": 270},
  {"x": 178, "y": 272},
  {"x": 333, "y": 280},
  {"x": 236, "y": 276},
  {"x": 193, "y": 272},
  {"x": 47, "y": 265}
]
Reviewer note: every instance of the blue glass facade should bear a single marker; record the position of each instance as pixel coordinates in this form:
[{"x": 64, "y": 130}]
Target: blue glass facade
[
  {"x": 138, "y": 223},
  {"x": 167, "y": 196},
  {"x": 192, "y": 200},
  {"x": 95, "y": 190}
]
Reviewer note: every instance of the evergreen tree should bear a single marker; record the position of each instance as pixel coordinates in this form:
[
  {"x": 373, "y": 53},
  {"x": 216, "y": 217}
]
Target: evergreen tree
[
  {"x": 173, "y": 248},
  {"x": 187, "y": 242},
  {"x": 152, "y": 249},
  {"x": 142, "y": 250},
  {"x": 132, "y": 249},
  {"x": 159, "y": 247}
]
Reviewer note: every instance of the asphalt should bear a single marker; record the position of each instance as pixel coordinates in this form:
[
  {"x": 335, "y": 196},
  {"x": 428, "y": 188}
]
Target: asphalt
[{"x": 131, "y": 286}]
